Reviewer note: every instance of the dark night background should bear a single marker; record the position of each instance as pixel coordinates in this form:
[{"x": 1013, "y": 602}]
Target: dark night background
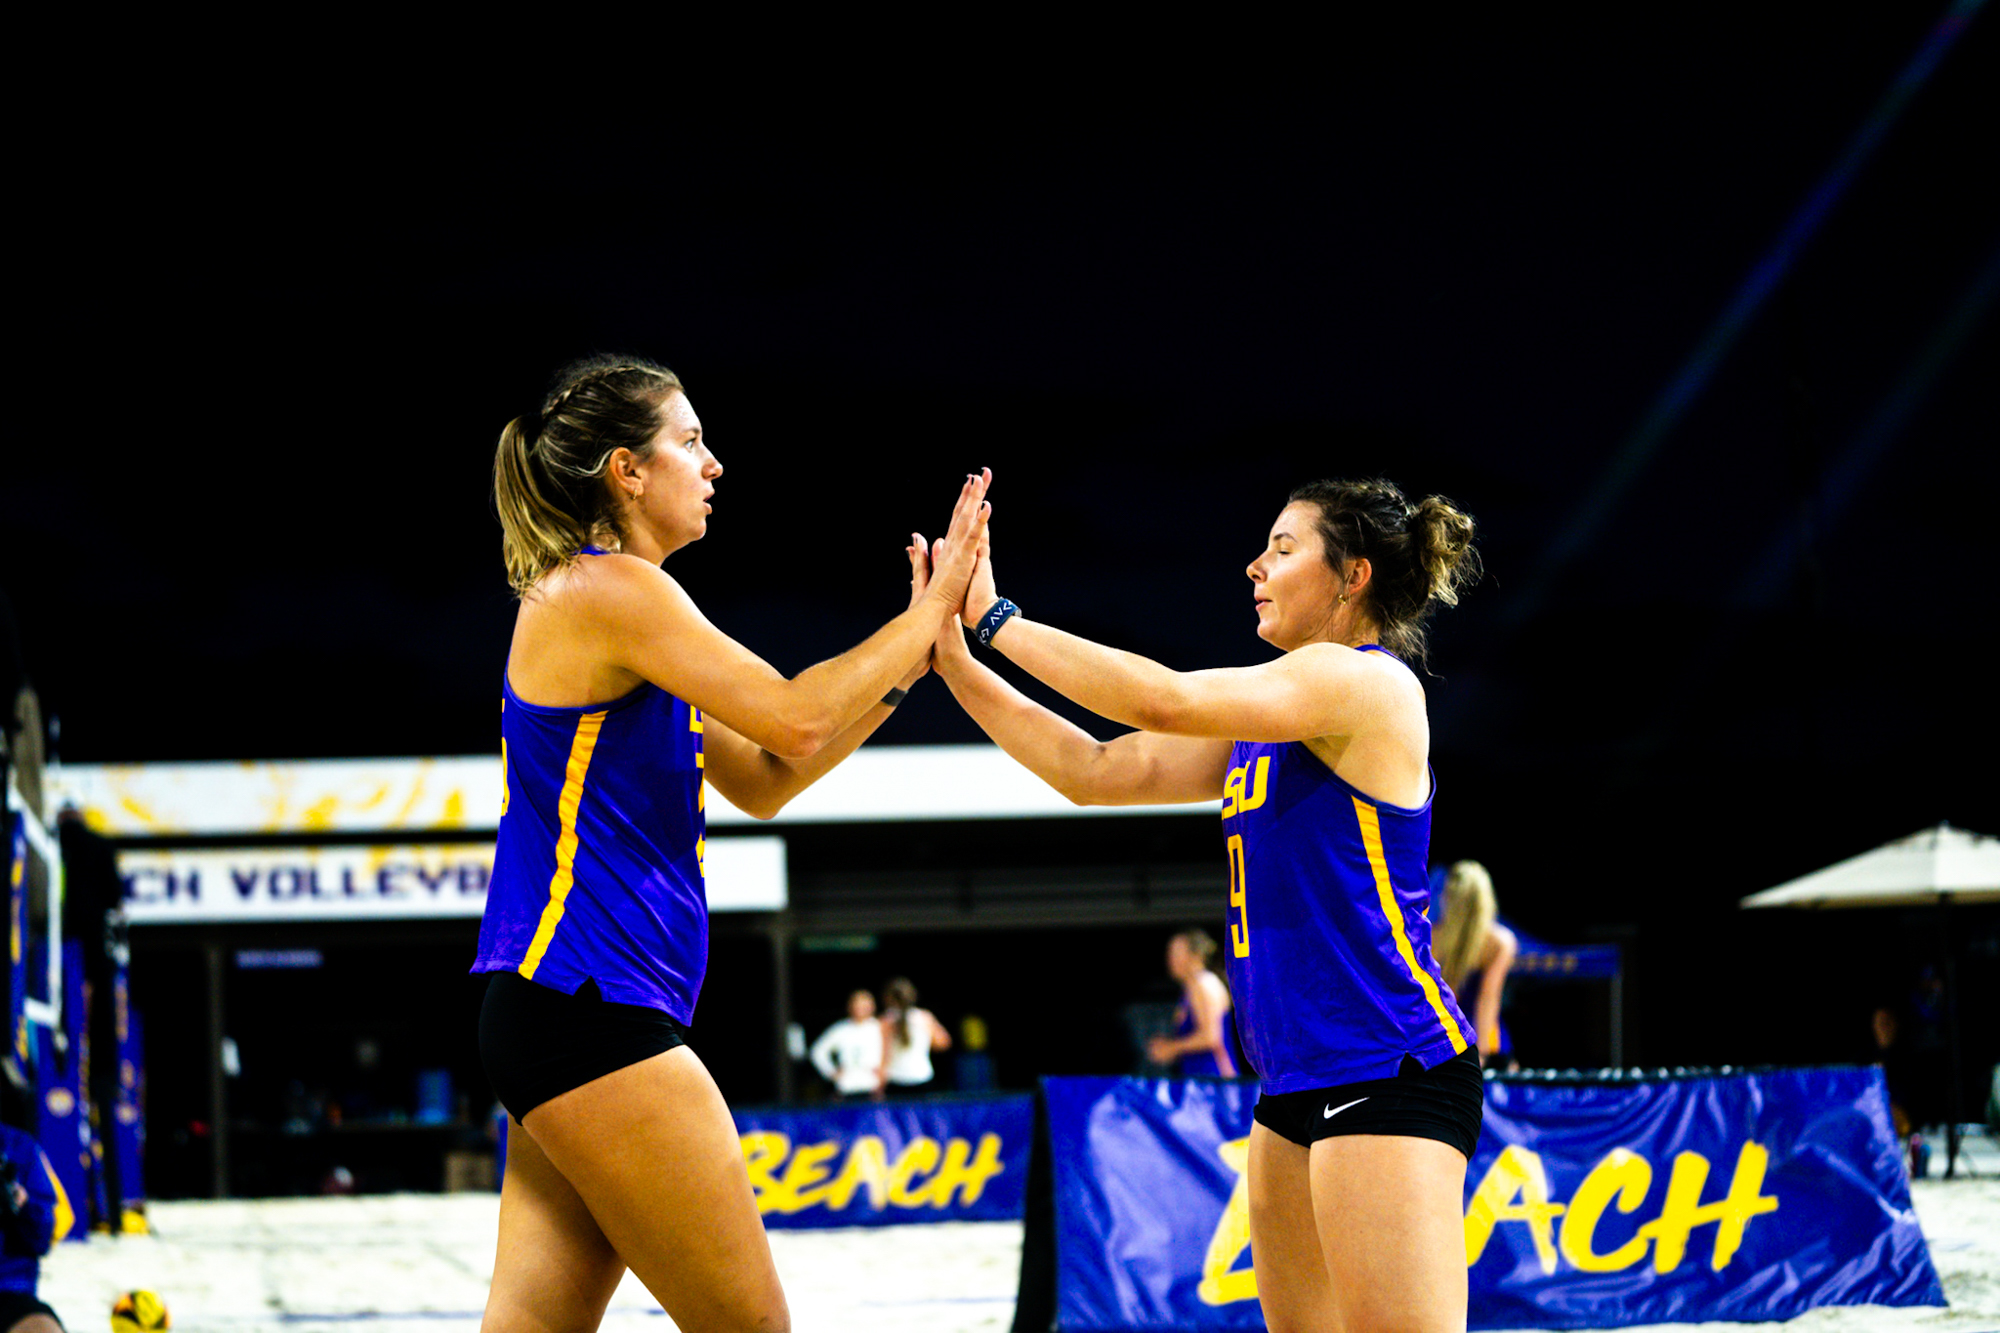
[{"x": 253, "y": 518}]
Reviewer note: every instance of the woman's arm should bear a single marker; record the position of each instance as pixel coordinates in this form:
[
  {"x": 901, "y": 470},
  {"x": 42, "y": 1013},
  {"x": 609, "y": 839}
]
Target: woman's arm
[
  {"x": 1324, "y": 689},
  {"x": 646, "y": 624},
  {"x": 760, "y": 782},
  {"x": 822, "y": 1053},
  {"x": 940, "y": 1039},
  {"x": 1492, "y": 981},
  {"x": 1138, "y": 769}
]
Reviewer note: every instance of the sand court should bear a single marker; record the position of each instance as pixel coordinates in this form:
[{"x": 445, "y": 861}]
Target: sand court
[{"x": 421, "y": 1262}]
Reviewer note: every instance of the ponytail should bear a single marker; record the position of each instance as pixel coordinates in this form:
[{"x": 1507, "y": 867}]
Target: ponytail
[
  {"x": 548, "y": 473},
  {"x": 535, "y": 536}
]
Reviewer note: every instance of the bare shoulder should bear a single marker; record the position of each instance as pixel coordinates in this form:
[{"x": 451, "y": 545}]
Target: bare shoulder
[
  {"x": 1374, "y": 676},
  {"x": 616, "y": 587}
]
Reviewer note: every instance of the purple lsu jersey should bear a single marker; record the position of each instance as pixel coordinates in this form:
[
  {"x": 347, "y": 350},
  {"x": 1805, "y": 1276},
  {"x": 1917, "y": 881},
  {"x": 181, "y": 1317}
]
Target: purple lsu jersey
[
  {"x": 597, "y": 871},
  {"x": 1329, "y": 938}
]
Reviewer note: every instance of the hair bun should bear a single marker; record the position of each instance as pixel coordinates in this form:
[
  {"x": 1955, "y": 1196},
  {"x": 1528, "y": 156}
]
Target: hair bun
[{"x": 1444, "y": 547}]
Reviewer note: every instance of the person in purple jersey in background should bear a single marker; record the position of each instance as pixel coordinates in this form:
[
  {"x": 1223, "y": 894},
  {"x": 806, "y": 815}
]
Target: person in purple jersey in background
[
  {"x": 1371, "y": 1095},
  {"x": 1476, "y": 952},
  {"x": 1201, "y": 1025},
  {"x": 618, "y": 699}
]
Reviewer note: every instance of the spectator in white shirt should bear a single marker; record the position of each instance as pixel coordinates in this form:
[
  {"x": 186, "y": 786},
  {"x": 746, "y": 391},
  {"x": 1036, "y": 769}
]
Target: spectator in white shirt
[{"x": 849, "y": 1054}]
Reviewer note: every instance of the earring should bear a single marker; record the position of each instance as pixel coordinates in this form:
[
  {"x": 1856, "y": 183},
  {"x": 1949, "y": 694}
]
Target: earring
[{"x": 1343, "y": 599}]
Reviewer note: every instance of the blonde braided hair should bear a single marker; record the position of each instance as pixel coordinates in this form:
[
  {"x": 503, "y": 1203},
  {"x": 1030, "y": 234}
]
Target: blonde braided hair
[{"x": 548, "y": 472}]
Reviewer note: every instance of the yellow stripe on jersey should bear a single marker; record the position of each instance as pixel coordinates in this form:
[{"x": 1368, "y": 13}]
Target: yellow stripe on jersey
[
  {"x": 700, "y": 761},
  {"x": 503, "y": 764},
  {"x": 587, "y": 728},
  {"x": 1371, "y": 839}
]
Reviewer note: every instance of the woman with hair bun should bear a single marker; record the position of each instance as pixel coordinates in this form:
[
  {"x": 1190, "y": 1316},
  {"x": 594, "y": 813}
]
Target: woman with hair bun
[
  {"x": 618, "y": 700},
  {"x": 1371, "y": 1090}
]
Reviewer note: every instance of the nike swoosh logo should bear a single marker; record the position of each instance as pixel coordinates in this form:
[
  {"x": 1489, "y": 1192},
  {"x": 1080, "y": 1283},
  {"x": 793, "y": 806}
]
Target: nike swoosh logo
[{"x": 1332, "y": 1111}]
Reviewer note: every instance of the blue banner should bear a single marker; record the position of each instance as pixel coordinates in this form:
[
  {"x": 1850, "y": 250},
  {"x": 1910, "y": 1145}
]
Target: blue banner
[
  {"x": 126, "y": 1140},
  {"x": 63, "y": 1125},
  {"x": 889, "y": 1163},
  {"x": 17, "y": 936},
  {"x": 1745, "y": 1197}
]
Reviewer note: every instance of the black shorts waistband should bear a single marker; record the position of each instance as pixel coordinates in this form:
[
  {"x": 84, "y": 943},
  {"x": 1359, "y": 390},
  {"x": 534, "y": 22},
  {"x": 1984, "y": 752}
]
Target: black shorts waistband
[
  {"x": 537, "y": 1043},
  {"x": 1445, "y": 1102}
]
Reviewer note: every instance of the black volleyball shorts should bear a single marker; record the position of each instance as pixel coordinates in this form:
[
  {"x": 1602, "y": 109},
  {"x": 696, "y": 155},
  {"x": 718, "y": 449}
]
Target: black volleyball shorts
[
  {"x": 537, "y": 1043},
  {"x": 1444, "y": 1102},
  {"x": 18, "y": 1305}
]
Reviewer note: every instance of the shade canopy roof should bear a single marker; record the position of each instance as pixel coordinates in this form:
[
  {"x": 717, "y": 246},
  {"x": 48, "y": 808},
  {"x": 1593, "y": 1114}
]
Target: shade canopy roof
[{"x": 1941, "y": 862}]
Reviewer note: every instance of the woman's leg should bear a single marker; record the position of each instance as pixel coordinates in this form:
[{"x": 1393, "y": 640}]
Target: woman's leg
[
  {"x": 555, "y": 1271},
  {"x": 1284, "y": 1237},
  {"x": 1392, "y": 1230},
  {"x": 653, "y": 1153}
]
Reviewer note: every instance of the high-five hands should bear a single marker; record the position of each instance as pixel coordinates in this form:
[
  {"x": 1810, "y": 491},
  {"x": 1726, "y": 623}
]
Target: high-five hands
[
  {"x": 953, "y": 558},
  {"x": 935, "y": 573},
  {"x": 979, "y": 594},
  {"x": 979, "y": 598}
]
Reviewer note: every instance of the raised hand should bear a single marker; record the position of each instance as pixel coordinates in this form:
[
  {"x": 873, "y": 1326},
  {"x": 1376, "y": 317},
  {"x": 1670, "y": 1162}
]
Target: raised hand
[
  {"x": 919, "y": 552},
  {"x": 950, "y": 644},
  {"x": 979, "y": 594},
  {"x": 951, "y": 572}
]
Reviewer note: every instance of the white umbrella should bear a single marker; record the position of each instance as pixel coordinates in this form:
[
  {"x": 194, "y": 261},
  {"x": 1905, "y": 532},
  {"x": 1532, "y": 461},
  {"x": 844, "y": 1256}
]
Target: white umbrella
[
  {"x": 1938, "y": 864},
  {"x": 1941, "y": 865}
]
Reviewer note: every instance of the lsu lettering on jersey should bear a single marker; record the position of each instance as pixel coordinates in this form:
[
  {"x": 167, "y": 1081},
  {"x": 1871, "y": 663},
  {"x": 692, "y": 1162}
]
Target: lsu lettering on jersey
[
  {"x": 597, "y": 871},
  {"x": 1329, "y": 945}
]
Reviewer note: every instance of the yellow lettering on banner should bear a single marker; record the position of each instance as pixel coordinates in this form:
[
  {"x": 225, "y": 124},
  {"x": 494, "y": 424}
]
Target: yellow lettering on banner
[
  {"x": 926, "y": 1174},
  {"x": 1622, "y": 1175},
  {"x": 763, "y": 1152},
  {"x": 803, "y": 1183},
  {"x": 965, "y": 1173},
  {"x": 1221, "y": 1281},
  {"x": 1515, "y": 1189},
  {"x": 1684, "y": 1210},
  {"x": 920, "y": 1158},
  {"x": 867, "y": 1164}
]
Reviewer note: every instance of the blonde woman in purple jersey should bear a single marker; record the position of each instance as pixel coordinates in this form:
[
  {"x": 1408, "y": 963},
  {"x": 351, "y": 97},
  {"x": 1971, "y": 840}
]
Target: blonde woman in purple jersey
[
  {"x": 619, "y": 699},
  {"x": 1371, "y": 1095}
]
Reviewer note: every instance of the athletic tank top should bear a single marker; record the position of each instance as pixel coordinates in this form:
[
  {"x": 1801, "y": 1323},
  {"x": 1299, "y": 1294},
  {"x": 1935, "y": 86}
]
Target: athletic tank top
[
  {"x": 597, "y": 870},
  {"x": 1203, "y": 1064},
  {"x": 1329, "y": 939},
  {"x": 911, "y": 1065}
]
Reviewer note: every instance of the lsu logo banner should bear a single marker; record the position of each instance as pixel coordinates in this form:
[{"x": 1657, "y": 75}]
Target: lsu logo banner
[
  {"x": 1749, "y": 1197},
  {"x": 889, "y": 1163}
]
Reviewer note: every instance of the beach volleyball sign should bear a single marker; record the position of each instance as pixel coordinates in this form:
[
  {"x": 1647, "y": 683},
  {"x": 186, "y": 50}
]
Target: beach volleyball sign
[
  {"x": 1588, "y": 1205},
  {"x": 889, "y": 1163}
]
